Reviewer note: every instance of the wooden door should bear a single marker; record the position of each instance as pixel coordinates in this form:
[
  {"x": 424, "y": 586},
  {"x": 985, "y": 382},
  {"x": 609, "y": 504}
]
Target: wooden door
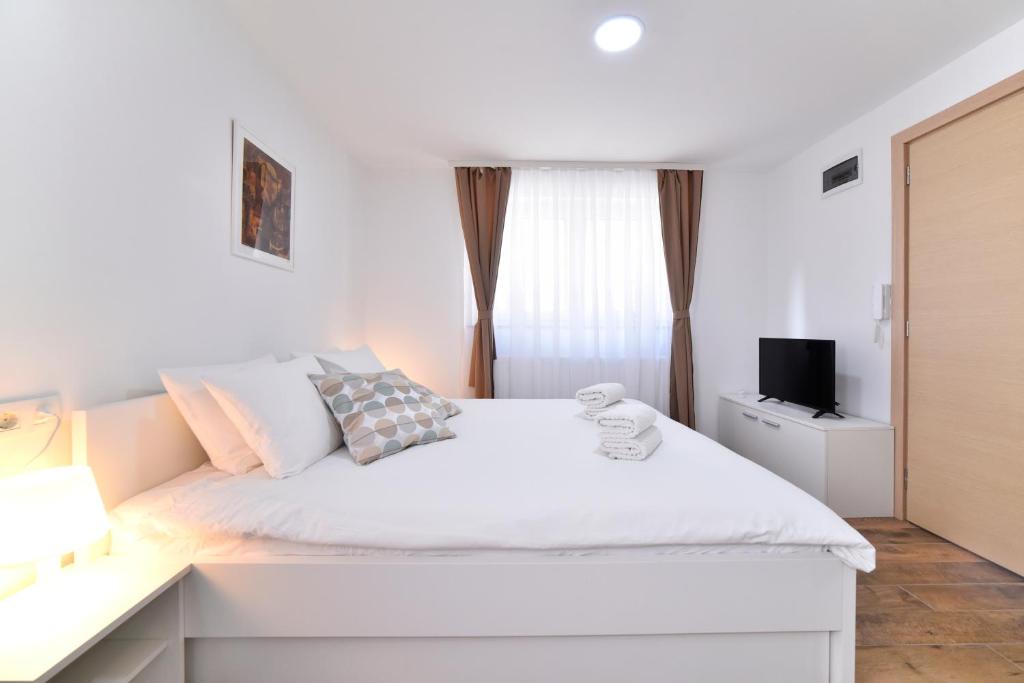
[{"x": 965, "y": 351}]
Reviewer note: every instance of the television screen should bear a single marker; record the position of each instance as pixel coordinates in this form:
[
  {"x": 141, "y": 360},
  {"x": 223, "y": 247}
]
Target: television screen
[{"x": 801, "y": 371}]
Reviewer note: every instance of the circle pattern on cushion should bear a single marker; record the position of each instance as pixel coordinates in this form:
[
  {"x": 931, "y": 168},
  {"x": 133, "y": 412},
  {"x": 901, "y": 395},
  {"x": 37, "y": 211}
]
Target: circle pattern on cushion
[{"x": 382, "y": 413}]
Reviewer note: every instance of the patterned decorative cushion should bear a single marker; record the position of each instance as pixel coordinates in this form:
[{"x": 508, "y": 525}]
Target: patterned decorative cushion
[
  {"x": 449, "y": 408},
  {"x": 381, "y": 413}
]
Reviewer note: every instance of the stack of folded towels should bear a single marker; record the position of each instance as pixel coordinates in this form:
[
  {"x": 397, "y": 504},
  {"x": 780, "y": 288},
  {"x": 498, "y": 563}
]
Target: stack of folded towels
[
  {"x": 627, "y": 429},
  {"x": 600, "y": 398},
  {"x": 628, "y": 432}
]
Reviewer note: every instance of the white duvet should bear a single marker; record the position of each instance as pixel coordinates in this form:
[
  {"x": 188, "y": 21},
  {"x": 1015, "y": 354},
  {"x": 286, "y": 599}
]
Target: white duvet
[{"x": 521, "y": 474}]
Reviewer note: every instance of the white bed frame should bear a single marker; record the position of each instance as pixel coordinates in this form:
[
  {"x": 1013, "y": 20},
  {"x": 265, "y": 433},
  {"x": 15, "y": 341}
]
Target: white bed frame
[{"x": 785, "y": 618}]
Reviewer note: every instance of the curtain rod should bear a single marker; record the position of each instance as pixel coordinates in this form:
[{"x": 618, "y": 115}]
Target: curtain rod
[{"x": 638, "y": 165}]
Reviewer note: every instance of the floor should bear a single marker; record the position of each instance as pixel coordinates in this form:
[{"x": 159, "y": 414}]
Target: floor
[{"x": 932, "y": 611}]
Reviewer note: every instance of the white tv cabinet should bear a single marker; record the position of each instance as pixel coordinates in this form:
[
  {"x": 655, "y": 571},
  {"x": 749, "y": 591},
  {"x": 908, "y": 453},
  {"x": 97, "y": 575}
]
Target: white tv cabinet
[{"x": 845, "y": 463}]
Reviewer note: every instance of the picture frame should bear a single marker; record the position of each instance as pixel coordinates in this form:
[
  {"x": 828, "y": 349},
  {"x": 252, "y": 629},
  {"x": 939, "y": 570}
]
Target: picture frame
[{"x": 262, "y": 202}]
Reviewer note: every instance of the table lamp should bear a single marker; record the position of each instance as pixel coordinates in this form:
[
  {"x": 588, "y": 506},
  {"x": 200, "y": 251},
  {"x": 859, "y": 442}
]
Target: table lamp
[{"x": 47, "y": 513}]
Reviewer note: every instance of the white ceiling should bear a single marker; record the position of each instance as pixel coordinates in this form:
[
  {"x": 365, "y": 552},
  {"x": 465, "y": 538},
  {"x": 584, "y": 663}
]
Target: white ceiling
[{"x": 748, "y": 82}]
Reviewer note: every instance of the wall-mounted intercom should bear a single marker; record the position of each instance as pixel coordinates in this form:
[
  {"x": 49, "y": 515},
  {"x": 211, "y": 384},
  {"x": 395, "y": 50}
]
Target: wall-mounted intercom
[
  {"x": 881, "y": 302},
  {"x": 881, "y": 308}
]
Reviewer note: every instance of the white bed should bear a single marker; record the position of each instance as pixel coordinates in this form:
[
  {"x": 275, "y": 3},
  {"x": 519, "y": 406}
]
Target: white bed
[{"x": 512, "y": 552}]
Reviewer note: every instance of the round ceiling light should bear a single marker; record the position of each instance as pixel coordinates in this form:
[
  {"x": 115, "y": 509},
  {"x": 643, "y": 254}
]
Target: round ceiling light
[{"x": 618, "y": 33}]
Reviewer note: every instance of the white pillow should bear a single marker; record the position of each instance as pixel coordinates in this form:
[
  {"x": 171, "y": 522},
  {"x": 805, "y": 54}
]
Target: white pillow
[
  {"x": 362, "y": 359},
  {"x": 303, "y": 354},
  {"x": 279, "y": 413},
  {"x": 220, "y": 439}
]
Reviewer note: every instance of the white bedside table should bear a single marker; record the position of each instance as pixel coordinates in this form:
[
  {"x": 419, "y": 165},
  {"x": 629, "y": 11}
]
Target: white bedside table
[{"x": 109, "y": 621}]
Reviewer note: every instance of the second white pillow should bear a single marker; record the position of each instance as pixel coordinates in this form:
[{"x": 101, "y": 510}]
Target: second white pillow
[
  {"x": 279, "y": 413},
  {"x": 227, "y": 449},
  {"x": 361, "y": 359}
]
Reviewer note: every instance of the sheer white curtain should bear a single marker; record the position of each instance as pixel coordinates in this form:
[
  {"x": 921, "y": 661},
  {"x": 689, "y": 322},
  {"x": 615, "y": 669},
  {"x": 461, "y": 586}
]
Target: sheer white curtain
[{"x": 582, "y": 294}]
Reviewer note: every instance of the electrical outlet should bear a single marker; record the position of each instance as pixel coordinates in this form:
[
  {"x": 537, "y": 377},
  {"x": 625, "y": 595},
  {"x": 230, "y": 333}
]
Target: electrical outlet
[
  {"x": 26, "y": 428},
  {"x": 28, "y": 410}
]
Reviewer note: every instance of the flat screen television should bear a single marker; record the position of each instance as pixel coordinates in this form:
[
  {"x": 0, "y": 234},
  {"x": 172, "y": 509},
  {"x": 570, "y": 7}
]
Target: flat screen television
[{"x": 801, "y": 371}]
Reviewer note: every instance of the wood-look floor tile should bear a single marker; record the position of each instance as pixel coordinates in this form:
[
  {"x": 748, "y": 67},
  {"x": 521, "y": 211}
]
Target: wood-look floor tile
[
  {"x": 886, "y": 599},
  {"x": 1012, "y": 651},
  {"x": 923, "y": 552},
  {"x": 878, "y": 523},
  {"x": 876, "y": 536},
  {"x": 936, "y": 663},
  {"x": 933, "y": 611},
  {"x": 958, "y": 598},
  {"x": 895, "y": 573},
  {"x": 921, "y": 627}
]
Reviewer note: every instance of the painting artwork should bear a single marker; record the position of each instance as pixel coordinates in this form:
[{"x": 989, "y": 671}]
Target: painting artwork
[{"x": 263, "y": 203}]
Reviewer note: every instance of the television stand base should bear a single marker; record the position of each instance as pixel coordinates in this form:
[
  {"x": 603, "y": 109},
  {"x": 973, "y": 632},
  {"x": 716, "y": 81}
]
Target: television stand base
[{"x": 813, "y": 417}]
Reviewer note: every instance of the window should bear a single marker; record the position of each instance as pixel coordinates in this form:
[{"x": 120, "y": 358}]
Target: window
[{"x": 582, "y": 295}]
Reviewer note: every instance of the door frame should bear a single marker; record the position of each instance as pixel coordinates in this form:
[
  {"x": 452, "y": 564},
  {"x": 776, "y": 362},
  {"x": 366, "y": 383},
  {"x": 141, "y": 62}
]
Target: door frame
[{"x": 900, "y": 189}]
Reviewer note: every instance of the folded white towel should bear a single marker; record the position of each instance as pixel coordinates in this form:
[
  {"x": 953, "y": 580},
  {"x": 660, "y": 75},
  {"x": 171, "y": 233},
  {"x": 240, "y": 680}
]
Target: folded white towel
[
  {"x": 637, "y": 448},
  {"x": 594, "y": 412},
  {"x": 601, "y": 395},
  {"x": 626, "y": 419}
]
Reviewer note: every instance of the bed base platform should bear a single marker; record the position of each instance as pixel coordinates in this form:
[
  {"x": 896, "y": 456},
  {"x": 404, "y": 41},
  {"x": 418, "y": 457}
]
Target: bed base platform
[
  {"x": 691, "y": 618},
  {"x": 700, "y": 618}
]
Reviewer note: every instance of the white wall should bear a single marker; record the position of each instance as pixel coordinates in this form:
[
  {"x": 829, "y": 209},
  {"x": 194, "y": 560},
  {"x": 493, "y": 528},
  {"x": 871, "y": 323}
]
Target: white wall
[
  {"x": 727, "y": 314},
  {"x": 115, "y": 167},
  {"x": 827, "y": 253},
  {"x": 412, "y": 274}
]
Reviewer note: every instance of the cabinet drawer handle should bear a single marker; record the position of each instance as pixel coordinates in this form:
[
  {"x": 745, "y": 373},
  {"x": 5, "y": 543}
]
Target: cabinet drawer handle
[
  {"x": 773, "y": 425},
  {"x": 752, "y": 416}
]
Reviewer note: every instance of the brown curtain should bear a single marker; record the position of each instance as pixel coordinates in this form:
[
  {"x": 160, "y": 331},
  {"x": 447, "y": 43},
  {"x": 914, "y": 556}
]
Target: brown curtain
[
  {"x": 679, "y": 195},
  {"x": 483, "y": 197}
]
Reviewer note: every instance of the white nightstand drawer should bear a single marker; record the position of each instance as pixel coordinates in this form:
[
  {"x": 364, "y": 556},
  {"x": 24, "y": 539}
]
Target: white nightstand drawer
[{"x": 792, "y": 452}]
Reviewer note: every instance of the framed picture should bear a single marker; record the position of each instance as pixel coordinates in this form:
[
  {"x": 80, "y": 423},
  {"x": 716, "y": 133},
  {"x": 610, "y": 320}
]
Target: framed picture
[{"x": 262, "y": 202}]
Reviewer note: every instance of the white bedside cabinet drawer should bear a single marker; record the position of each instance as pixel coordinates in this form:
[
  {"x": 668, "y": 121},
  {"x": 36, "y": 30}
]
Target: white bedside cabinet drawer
[
  {"x": 793, "y": 452},
  {"x": 738, "y": 429}
]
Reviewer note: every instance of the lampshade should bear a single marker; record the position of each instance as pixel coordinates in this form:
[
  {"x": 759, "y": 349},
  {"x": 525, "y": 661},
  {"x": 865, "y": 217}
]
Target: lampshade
[{"x": 47, "y": 513}]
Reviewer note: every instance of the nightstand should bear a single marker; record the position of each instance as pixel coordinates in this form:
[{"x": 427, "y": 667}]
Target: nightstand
[{"x": 115, "y": 620}]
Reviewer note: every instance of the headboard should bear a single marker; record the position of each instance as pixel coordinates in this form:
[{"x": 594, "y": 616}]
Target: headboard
[{"x": 133, "y": 445}]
